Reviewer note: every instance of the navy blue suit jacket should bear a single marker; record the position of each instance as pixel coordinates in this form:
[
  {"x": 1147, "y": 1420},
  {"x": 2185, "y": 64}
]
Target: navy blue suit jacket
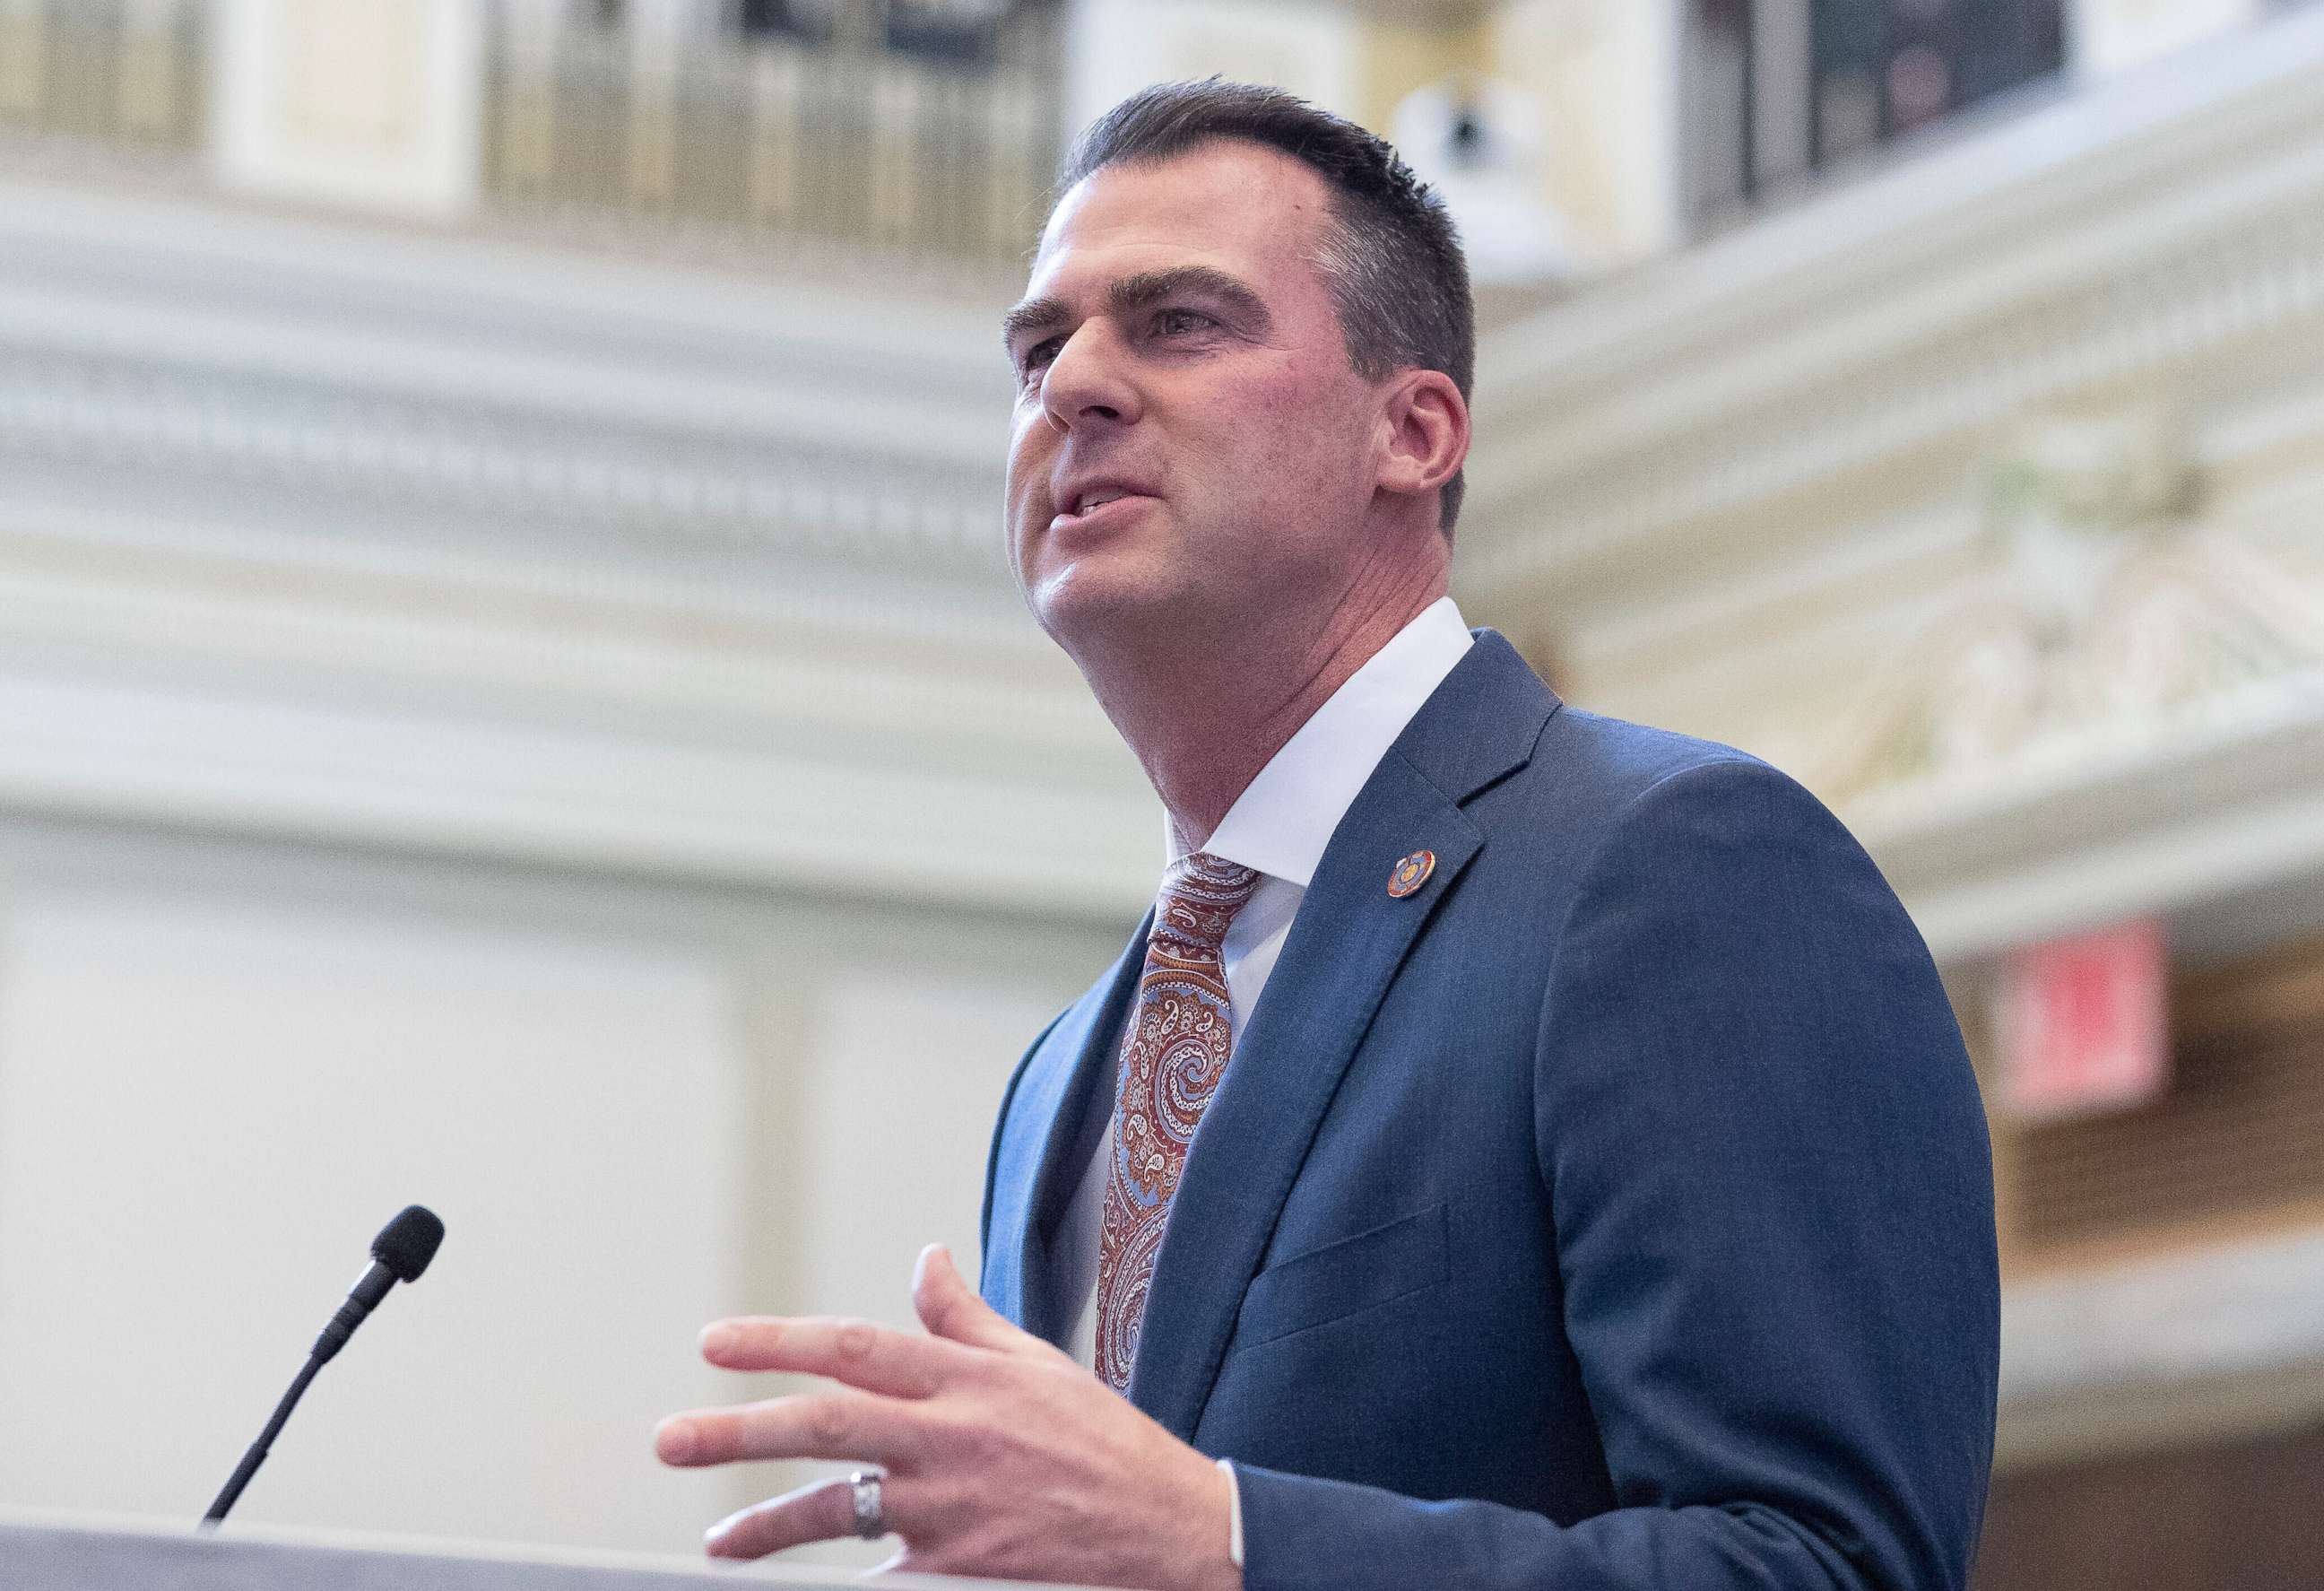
[{"x": 1615, "y": 1212}]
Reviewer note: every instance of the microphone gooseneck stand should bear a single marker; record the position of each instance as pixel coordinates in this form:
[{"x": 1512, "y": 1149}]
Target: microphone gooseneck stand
[
  {"x": 399, "y": 1254},
  {"x": 258, "y": 1450}
]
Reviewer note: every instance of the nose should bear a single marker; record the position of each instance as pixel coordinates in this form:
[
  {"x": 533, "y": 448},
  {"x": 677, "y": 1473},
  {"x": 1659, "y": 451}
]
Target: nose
[{"x": 1089, "y": 381}]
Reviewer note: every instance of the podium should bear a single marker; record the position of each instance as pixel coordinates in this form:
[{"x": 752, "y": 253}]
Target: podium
[{"x": 52, "y": 1557}]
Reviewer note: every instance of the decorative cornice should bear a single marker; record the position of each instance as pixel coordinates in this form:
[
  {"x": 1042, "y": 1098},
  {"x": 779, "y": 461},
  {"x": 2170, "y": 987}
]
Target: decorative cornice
[
  {"x": 481, "y": 377},
  {"x": 2083, "y": 829},
  {"x": 443, "y": 543},
  {"x": 1755, "y": 491},
  {"x": 2127, "y": 229},
  {"x": 444, "y": 310},
  {"x": 2099, "y": 611},
  {"x": 496, "y": 469}
]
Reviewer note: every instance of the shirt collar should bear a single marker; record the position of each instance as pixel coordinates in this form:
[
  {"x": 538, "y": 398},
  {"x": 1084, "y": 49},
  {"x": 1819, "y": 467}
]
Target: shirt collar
[{"x": 1285, "y": 817}]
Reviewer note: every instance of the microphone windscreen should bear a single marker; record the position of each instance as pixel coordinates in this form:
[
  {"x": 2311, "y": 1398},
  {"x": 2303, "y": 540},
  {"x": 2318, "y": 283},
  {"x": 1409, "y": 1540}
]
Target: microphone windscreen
[{"x": 405, "y": 1245}]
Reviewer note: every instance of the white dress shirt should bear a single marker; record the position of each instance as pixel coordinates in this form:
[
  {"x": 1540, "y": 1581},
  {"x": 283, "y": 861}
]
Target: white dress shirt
[{"x": 1278, "y": 826}]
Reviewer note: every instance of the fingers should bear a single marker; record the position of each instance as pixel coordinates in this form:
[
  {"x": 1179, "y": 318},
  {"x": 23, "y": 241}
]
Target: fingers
[
  {"x": 832, "y": 1425},
  {"x": 871, "y": 1357},
  {"x": 951, "y": 1309},
  {"x": 821, "y": 1511}
]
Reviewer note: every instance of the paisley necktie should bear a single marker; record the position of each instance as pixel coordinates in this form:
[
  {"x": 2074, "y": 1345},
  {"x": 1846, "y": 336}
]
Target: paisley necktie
[{"x": 1173, "y": 1050}]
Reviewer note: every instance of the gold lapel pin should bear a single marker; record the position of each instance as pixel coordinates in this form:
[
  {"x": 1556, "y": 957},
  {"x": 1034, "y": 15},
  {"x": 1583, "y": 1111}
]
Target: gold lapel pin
[{"x": 1410, "y": 873}]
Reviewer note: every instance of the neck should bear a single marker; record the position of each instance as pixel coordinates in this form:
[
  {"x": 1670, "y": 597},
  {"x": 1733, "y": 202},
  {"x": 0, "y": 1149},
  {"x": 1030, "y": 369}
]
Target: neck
[{"x": 1204, "y": 718}]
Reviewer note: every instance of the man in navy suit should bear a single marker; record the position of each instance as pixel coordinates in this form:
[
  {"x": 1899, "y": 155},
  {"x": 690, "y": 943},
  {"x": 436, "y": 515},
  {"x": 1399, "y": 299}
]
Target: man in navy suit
[{"x": 1522, "y": 1149}]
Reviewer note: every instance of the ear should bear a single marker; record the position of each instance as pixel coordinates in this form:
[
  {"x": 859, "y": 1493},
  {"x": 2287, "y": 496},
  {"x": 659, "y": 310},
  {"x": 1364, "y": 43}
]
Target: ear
[{"x": 1424, "y": 432}]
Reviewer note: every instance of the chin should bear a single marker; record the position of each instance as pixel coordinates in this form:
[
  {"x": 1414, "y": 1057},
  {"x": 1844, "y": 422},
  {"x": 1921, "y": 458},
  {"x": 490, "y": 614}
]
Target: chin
[{"x": 1092, "y": 598}]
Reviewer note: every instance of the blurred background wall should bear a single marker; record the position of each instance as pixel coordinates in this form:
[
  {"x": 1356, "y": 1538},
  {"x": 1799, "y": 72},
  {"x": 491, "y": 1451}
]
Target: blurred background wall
[{"x": 510, "y": 695}]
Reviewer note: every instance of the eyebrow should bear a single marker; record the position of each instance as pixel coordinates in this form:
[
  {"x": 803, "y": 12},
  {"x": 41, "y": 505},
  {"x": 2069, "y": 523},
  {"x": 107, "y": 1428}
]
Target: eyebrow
[{"x": 1132, "y": 294}]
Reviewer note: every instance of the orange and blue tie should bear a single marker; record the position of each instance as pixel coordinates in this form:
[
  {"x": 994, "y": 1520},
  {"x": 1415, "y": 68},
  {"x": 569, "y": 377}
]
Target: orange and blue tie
[{"x": 1173, "y": 1052}]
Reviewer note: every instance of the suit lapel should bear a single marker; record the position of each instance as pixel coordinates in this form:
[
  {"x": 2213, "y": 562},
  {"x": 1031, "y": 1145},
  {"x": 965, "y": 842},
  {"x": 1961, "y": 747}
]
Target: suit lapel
[
  {"x": 1344, "y": 952},
  {"x": 1046, "y": 1141}
]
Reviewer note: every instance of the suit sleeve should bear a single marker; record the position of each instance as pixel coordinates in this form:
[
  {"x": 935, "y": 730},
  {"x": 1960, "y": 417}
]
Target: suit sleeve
[{"x": 1772, "y": 1198}]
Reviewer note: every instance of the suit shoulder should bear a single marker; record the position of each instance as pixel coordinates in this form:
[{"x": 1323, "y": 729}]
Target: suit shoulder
[
  {"x": 1594, "y": 780},
  {"x": 1620, "y": 760}
]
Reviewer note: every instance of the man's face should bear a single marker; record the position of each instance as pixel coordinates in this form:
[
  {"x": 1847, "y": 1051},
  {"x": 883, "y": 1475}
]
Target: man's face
[{"x": 1178, "y": 353}]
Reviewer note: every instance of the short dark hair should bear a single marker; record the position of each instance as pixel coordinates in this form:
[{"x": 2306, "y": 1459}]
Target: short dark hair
[{"x": 1391, "y": 256}]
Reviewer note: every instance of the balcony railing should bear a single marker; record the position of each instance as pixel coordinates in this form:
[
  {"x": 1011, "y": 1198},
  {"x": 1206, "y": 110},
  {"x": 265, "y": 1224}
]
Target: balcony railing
[
  {"x": 860, "y": 130},
  {"x": 113, "y": 71},
  {"x": 923, "y": 126}
]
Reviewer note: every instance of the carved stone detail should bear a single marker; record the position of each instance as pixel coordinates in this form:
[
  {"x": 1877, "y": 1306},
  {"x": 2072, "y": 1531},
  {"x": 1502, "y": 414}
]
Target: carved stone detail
[
  {"x": 496, "y": 464},
  {"x": 2099, "y": 613}
]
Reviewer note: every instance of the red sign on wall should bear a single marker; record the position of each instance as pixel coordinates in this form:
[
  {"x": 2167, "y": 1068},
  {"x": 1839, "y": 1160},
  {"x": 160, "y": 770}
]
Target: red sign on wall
[{"x": 2083, "y": 1022}]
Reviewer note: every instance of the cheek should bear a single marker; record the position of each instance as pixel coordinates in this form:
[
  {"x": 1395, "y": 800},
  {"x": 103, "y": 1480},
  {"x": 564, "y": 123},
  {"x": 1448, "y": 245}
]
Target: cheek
[
  {"x": 1024, "y": 426},
  {"x": 1291, "y": 444},
  {"x": 1031, "y": 450}
]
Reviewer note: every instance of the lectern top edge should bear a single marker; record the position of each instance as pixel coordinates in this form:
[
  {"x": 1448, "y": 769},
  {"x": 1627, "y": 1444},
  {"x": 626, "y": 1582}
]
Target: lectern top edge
[{"x": 93, "y": 1553}]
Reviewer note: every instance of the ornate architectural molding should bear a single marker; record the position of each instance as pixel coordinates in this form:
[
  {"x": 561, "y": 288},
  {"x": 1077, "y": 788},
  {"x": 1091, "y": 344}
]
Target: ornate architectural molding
[
  {"x": 1980, "y": 491},
  {"x": 448, "y": 369},
  {"x": 2098, "y": 611},
  {"x": 435, "y": 542},
  {"x": 2137, "y": 223},
  {"x": 495, "y": 468},
  {"x": 2184, "y": 816}
]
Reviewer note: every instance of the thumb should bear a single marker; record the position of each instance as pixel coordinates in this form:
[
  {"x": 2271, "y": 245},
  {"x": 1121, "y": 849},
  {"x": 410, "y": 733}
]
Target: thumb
[{"x": 949, "y": 1308}]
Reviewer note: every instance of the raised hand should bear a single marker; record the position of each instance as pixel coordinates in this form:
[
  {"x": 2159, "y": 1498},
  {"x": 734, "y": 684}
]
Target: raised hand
[{"x": 1002, "y": 1456}]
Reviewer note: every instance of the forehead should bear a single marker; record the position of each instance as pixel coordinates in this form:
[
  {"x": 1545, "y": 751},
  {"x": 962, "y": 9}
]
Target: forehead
[{"x": 1241, "y": 208}]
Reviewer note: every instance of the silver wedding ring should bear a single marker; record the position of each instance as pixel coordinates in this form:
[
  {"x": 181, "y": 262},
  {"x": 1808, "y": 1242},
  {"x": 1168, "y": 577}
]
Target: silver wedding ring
[{"x": 864, "y": 1495}]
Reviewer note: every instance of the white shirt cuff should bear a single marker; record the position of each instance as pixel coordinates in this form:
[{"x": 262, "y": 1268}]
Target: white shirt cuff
[{"x": 1234, "y": 1513}]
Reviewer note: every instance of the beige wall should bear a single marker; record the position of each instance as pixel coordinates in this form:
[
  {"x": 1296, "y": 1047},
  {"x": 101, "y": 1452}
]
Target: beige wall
[{"x": 224, "y": 1065}]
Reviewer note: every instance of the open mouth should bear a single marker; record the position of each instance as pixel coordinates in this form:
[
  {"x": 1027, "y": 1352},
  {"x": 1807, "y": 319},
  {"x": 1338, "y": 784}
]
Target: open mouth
[{"x": 1101, "y": 503}]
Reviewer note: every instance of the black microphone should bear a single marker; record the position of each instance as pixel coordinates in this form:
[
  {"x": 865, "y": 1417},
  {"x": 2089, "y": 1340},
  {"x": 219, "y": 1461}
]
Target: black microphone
[{"x": 399, "y": 1254}]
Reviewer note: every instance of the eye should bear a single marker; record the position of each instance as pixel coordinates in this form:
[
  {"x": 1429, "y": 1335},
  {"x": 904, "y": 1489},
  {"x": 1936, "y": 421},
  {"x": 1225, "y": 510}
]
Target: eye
[
  {"x": 1037, "y": 358},
  {"x": 1177, "y": 322}
]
